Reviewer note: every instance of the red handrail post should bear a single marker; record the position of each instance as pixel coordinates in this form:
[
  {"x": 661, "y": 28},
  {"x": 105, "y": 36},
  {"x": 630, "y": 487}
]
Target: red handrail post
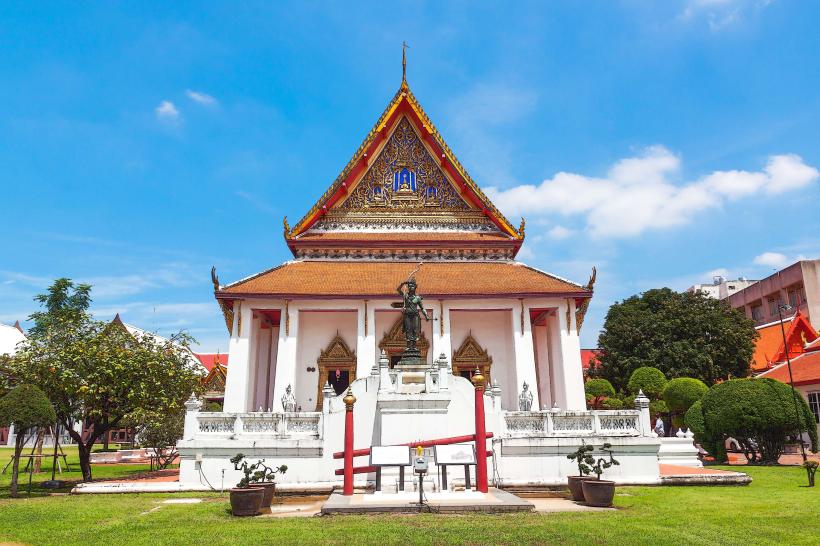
[
  {"x": 480, "y": 434},
  {"x": 349, "y": 400}
]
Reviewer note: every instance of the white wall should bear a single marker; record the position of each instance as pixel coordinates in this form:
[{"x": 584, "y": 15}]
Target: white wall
[
  {"x": 317, "y": 329},
  {"x": 491, "y": 329}
]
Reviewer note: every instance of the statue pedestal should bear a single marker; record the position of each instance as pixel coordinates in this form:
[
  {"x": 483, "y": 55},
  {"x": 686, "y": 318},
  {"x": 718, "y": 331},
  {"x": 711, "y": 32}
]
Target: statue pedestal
[{"x": 411, "y": 378}]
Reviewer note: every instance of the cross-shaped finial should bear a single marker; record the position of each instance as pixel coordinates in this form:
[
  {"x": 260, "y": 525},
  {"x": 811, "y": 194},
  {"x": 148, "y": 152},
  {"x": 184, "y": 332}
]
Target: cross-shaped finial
[{"x": 404, "y": 47}]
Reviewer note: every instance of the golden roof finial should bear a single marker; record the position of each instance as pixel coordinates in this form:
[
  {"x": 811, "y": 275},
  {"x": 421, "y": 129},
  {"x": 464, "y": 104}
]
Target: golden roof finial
[{"x": 404, "y": 47}]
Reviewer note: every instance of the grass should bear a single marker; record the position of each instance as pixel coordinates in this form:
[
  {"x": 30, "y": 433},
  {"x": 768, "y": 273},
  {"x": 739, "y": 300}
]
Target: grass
[
  {"x": 72, "y": 477},
  {"x": 774, "y": 509}
]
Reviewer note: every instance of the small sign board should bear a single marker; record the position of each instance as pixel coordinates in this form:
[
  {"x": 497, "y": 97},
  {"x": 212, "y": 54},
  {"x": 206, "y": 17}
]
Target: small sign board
[
  {"x": 455, "y": 454},
  {"x": 389, "y": 456}
]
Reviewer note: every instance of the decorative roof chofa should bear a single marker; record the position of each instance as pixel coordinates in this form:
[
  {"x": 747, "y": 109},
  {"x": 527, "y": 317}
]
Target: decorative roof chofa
[{"x": 403, "y": 102}]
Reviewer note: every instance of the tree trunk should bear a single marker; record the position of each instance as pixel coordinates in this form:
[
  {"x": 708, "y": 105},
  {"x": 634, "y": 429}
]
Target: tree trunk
[
  {"x": 38, "y": 450},
  {"x": 83, "y": 448},
  {"x": 15, "y": 467},
  {"x": 85, "y": 460}
]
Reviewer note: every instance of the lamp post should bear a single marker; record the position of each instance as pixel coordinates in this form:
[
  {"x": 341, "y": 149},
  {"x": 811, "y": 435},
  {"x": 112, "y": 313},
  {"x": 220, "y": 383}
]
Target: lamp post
[{"x": 780, "y": 308}]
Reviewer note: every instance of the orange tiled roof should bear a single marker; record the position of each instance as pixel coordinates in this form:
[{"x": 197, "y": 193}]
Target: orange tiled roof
[
  {"x": 767, "y": 346},
  {"x": 805, "y": 369},
  {"x": 348, "y": 279}
]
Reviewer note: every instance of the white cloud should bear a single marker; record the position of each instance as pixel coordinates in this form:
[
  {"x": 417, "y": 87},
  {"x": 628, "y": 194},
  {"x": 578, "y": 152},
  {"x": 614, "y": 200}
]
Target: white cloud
[
  {"x": 166, "y": 111},
  {"x": 641, "y": 193},
  {"x": 525, "y": 253},
  {"x": 720, "y": 14},
  {"x": 776, "y": 260},
  {"x": 559, "y": 232},
  {"x": 201, "y": 98}
]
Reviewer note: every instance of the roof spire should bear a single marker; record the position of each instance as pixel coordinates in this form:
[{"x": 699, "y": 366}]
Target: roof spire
[{"x": 404, "y": 47}]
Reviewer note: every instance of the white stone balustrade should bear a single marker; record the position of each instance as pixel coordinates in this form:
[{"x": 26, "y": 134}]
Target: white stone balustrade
[
  {"x": 280, "y": 425},
  {"x": 552, "y": 423}
]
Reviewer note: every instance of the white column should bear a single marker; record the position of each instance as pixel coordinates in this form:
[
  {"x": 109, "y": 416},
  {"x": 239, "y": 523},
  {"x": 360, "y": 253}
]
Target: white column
[
  {"x": 524, "y": 355},
  {"x": 238, "y": 380},
  {"x": 570, "y": 385},
  {"x": 286, "y": 355},
  {"x": 365, "y": 341},
  {"x": 441, "y": 342},
  {"x": 539, "y": 334}
]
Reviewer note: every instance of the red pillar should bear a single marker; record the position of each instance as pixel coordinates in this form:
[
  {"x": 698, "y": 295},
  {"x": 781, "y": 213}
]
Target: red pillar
[
  {"x": 349, "y": 400},
  {"x": 480, "y": 434}
]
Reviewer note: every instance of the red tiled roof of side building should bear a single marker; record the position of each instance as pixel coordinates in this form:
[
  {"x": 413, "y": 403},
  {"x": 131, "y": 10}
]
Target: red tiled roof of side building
[
  {"x": 586, "y": 357},
  {"x": 209, "y": 360},
  {"x": 805, "y": 369},
  {"x": 346, "y": 279}
]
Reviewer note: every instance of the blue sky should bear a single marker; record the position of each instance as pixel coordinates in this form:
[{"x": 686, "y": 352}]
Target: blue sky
[{"x": 141, "y": 144}]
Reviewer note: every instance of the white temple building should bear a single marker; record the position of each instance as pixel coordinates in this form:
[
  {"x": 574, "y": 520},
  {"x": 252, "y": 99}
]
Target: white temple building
[{"x": 305, "y": 331}]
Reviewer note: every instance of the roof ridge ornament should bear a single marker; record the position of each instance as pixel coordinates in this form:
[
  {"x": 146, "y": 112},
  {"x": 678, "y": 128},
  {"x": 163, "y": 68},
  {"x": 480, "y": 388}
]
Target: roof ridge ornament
[{"x": 404, "y": 47}]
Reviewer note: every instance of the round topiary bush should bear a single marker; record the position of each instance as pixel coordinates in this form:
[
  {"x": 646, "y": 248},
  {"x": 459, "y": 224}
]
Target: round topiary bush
[
  {"x": 680, "y": 393},
  {"x": 597, "y": 390},
  {"x": 649, "y": 380},
  {"x": 26, "y": 407},
  {"x": 758, "y": 413}
]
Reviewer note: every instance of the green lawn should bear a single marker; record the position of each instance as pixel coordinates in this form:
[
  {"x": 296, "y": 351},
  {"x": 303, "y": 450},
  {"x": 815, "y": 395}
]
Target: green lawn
[{"x": 774, "y": 509}]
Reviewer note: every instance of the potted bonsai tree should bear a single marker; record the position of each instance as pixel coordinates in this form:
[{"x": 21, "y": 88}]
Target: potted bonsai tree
[
  {"x": 263, "y": 478},
  {"x": 245, "y": 500},
  {"x": 583, "y": 458},
  {"x": 600, "y": 492}
]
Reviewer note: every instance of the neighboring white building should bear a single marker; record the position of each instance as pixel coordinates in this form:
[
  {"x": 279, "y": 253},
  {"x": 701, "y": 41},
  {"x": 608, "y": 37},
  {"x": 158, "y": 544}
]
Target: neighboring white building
[
  {"x": 326, "y": 322},
  {"x": 10, "y": 336},
  {"x": 722, "y": 288}
]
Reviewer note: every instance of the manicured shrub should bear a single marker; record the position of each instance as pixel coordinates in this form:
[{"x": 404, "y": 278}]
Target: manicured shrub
[
  {"x": 759, "y": 414},
  {"x": 694, "y": 422},
  {"x": 612, "y": 404},
  {"x": 649, "y": 380},
  {"x": 680, "y": 393},
  {"x": 597, "y": 390},
  {"x": 658, "y": 407}
]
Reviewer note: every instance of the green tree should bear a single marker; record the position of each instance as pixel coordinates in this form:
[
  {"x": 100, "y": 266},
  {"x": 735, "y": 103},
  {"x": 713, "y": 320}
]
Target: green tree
[
  {"x": 101, "y": 373},
  {"x": 27, "y": 408},
  {"x": 161, "y": 431},
  {"x": 597, "y": 390},
  {"x": 758, "y": 413},
  {"x": 681, "y": 334},
  {"x": 649, "y": 380}
]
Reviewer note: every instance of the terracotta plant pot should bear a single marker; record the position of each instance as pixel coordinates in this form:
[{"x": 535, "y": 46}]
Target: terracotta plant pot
[
  {"x": 267, "y": 499},
  {"x": 246, "y": 501},
  {"x": 575, "y": 488},
  {"x": 598, "y": 492}
]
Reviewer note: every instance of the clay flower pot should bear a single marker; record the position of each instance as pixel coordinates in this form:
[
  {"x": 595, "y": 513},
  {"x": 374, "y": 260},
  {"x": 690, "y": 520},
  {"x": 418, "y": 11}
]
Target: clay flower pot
[
  {"x": 598, "y": 492},
  {"x": 575, "y": 489},
  {"x": 267, "y": 499},
  {"x": 246, "y": 501}
]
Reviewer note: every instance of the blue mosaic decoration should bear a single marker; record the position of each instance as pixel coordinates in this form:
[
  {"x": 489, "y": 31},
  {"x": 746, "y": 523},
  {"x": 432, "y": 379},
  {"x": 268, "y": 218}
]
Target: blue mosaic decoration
[
  {"x": 404, "y": 180},
  {"x": 404, "y": 175}
]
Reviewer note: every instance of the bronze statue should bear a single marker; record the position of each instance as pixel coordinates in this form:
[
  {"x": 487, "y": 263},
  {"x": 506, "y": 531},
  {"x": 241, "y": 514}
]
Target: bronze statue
[{"x": 412, "y": 305}]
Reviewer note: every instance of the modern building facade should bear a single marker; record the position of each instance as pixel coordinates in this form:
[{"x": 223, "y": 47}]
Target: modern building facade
[{"x": 798, "y": 286}]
